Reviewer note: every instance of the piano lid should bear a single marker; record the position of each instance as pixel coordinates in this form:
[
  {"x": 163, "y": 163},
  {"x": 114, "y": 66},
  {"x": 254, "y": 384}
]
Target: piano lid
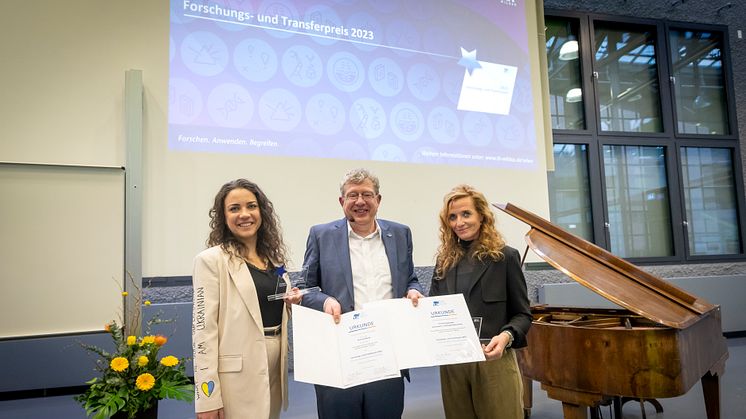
[{"x": 609, "y": 276}]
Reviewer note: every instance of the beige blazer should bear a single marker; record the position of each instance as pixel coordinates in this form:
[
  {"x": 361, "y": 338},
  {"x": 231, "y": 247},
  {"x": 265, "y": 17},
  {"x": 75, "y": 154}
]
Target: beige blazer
[{"x": 230, "y": 355}]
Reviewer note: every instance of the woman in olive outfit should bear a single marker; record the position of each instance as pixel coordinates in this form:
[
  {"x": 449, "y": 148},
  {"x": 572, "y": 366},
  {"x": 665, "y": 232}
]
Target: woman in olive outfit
[{"x": 474, "y": 260}]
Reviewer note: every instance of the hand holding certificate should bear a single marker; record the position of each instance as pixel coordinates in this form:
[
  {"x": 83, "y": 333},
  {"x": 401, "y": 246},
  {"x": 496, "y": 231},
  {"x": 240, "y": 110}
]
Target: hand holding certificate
[
  {"x": 355, "y": 351},
  {"x": 387, "y": 336}
]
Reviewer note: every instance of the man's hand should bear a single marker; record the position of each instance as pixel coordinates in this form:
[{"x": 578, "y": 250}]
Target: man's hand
[
  {"x": 293, "y": 297},
  {"x": 496, "y": 347},
  {"x": 331, "y": 306},
  {"x": 414, "y": 295}
]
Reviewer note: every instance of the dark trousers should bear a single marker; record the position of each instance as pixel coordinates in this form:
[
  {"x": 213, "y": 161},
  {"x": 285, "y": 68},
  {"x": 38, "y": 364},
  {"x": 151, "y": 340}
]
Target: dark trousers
[{"x": 377, "y": 400}]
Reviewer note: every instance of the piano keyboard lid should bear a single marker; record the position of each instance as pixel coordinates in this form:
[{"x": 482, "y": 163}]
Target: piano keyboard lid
[{"x": 610, "y": 276}]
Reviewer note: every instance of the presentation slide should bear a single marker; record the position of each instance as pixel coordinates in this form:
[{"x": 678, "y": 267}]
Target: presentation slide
[{"x": 418, "y": 81}]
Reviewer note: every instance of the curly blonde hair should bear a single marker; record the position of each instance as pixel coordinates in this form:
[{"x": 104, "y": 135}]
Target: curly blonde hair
[{"x": 489, "y": 244}]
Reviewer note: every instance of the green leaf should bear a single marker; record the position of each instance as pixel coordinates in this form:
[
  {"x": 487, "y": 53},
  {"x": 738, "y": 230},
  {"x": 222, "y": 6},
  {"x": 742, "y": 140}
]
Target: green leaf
[{"x": 183, "y": 392}]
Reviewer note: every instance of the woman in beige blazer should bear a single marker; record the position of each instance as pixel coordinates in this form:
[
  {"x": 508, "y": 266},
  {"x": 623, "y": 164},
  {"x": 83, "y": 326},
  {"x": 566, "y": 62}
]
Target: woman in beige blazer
[{"x": 239, "y": 338}]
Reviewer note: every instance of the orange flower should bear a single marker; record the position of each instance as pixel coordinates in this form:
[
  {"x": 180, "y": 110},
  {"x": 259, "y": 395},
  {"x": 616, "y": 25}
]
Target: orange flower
[
  {"x": 107, "y": 327},
  {"x": 147, "y": 339},
  {"x": 169, "y": 361},
  {"x": 160, "y": 340},
  {"x": 145, "y": 381},
  {"x": 119, "y": 364}
]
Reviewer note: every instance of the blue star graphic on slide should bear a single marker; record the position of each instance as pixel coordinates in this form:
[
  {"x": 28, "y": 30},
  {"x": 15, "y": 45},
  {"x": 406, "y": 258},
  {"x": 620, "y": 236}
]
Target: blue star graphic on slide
[{"x": 469, "y": 60}]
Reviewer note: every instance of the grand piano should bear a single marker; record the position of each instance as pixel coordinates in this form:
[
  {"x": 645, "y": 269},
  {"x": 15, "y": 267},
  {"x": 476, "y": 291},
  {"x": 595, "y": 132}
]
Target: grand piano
[{"x": 659, "y": 345}]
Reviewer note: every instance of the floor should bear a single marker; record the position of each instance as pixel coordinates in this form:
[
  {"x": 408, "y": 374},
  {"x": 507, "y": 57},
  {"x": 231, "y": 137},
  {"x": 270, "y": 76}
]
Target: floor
[{"x": 422, "y": 399}]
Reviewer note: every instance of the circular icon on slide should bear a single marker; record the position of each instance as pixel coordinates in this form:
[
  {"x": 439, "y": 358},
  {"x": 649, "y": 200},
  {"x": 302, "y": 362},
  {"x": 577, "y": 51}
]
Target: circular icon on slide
[
  {"x": 423, "y": 82},
  {"x": 230, "y": 105},
  {"x": 255, "y": 59},
  {"x": 367, "y": 118},
  {"x": 477, "y": 128},
  {"x": 386, "y": 77},
  {"x": 279, "y": 109},
  {"x": 345, "y": 71},
  {"x": 184, "y": 101},
  {"x": 388, "y": 152},
  {"x": 204, "y": 53},
  {"x": 407, "y": 121},
  {"x": 509, "y": 131},
  {"x": 325, "y": 114},
  {"x": 443, "y": 125},
  {"x": 330, "y": 19},
  {"x": 269, "y": 15},
  {"x": 302, "y": 66},
  {"x": 452, "y": 84},
  {"x": 403, "y": 38}
]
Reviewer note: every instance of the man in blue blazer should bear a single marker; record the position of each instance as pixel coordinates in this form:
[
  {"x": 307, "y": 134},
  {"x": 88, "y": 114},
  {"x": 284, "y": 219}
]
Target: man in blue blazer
[{"x": 356, "y": 260}]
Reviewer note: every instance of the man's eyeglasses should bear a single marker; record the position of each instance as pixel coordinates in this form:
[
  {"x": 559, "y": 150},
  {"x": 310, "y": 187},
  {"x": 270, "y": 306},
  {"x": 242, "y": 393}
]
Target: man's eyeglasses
[{"x": 367, "y": 196}]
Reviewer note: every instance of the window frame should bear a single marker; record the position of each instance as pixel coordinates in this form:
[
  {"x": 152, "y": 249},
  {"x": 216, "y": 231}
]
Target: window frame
[{"x": 595, "y": 139}]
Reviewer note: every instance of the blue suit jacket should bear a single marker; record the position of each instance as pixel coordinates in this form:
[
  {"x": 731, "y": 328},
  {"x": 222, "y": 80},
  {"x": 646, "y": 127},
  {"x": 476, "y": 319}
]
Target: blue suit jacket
[{"x": 327, "y": 262}]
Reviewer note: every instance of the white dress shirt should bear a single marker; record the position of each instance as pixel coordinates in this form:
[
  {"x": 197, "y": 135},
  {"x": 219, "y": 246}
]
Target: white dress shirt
[{"x": 371, "y": 273}]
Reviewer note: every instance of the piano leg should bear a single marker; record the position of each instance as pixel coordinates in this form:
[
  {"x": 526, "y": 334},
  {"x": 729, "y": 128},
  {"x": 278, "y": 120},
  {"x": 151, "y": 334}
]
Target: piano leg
[
  {"x": 575, "y": 403},
  {"x": 711, "y": 391},
  {"x": 574, "y": 411},
  {"x": 528, "y": 396}
]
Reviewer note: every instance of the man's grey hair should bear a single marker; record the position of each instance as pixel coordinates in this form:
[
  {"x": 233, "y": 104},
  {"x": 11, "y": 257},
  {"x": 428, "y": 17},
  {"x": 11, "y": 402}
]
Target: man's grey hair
[{"x": 358, "y": 176}]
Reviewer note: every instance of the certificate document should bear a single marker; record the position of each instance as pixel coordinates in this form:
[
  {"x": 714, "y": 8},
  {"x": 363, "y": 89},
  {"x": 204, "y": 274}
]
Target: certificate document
[
  {"x": 356, "y": 351},
  {"x": 439, "y": 331}
]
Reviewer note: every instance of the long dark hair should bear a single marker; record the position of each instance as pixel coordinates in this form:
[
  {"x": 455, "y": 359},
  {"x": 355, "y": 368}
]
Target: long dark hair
[{"x": 269, "y": 242}]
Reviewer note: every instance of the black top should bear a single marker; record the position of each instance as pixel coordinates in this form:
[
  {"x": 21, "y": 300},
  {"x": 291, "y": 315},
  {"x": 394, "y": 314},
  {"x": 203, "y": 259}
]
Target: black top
[
  {"x": 265, "y": 282},
  {"x": 466, "y": 271}
]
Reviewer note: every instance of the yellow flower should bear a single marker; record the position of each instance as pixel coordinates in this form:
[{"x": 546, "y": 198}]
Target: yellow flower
[
  {"x": 145, "y": 381},
  {"x": 147, "y": 302},
  {"x": 142, "y": 360},
  {"x": 119, "y": 364},
  {"x": 131, "y": 340},
  {"x": 125, "y": 293},
  {"x": 147, "y": 339},
  {"x": 169, "y": 361}
]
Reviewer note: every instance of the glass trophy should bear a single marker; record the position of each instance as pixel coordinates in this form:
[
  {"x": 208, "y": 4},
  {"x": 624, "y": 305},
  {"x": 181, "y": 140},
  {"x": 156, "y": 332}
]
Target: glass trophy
[
  {"x": 281, "y": 289},
  {"x": 478, "y": 327}
]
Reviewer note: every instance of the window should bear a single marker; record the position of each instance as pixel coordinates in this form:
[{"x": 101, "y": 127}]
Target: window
[
  {"x": 565, "y": 91},
  {"x": 710, "y": 200},
  {"x": 627, "y": 78},
  {"x": 569, "y": 197},
  {"x": 698, "y": 79},
  {"x": 662, "y": 182},
  {"x": 637, "y": 201}
]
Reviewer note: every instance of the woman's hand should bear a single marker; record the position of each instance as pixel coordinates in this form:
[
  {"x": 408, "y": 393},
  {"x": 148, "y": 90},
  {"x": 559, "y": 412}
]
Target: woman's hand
[
  {"x": 212, "y": 414},
  {"x": 293, "y": 297},
  {"x": 496, "y": 347}
]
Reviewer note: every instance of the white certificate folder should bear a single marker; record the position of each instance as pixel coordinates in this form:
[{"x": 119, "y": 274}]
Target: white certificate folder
[{"x": 377, "y": 342}]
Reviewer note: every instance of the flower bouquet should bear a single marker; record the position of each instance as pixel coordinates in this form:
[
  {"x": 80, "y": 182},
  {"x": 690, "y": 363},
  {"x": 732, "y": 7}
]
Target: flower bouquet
[{"x": 134, "y": 377}]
